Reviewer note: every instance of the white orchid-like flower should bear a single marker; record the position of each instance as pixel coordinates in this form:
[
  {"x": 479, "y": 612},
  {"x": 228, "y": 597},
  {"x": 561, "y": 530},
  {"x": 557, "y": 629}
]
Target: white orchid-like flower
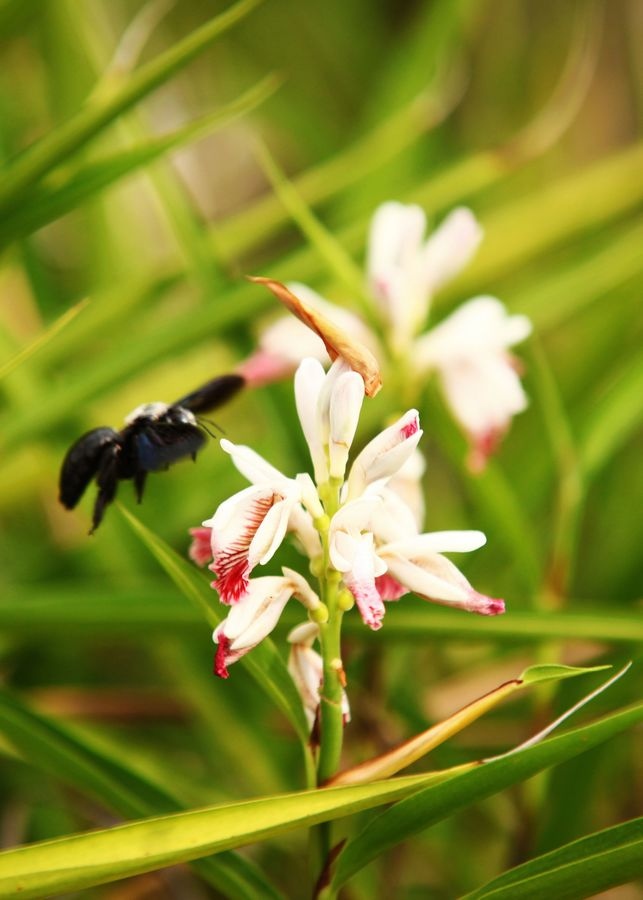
[
  {"x": 352, "y": 521},
  {"x": 256, "y": 614},
  {"x": 468, "y": 351}
]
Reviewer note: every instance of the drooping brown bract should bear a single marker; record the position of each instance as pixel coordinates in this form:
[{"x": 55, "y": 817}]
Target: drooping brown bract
[{"x": 336, "y": 341}]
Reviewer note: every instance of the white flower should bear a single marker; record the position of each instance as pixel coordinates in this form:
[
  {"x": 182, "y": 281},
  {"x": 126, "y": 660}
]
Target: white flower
[
  {"x": 375, "y": 544},
  {"x": 418, "y": 564},
  {"x": 255, "y": 615},
  {"x": 468, "y": 351},
  {"x": 307, "y": 669},
  {"x": 382, "y": 457},
  {"x": 478, "y": 375},
  {"x": 246, "y": 530},
  {"x": 404, "y": 270},
  {"x": 328, "y": 406}
]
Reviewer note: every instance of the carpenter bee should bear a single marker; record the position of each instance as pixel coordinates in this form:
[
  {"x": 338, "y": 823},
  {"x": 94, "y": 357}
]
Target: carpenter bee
[{"x": 155, "y": 436}]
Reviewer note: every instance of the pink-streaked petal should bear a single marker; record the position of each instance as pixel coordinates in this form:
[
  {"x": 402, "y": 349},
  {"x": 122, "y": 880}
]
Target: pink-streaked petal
[
  {"x": 232, "y": 579},
  {"x": 200, "y": 550},
  {"x": 360, "y": 580},
  {"x": 221, "y": 657},
  {"x": 382, "y": 457},
  {"x": 251, "y": 619},
  {"x": 435, "y": 578},
  {"x": 450, "y": 247},
  {"x": 235, "y": 546}
]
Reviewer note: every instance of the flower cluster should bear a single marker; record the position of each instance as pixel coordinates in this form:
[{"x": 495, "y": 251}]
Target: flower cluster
[
  {"x": 468, "y": 351},
  {"x": 361, "y": 536}
]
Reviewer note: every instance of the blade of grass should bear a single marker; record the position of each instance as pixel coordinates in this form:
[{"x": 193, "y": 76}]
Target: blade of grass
[
  {"x": 152, "y": 606},
  {"x": 49, "y": 334},
  {"x": 55, "y": 749},
  {"x": 583, "y": 868},
  {"x": 94, "y": 858},
  {"x": 66, "y": 139},
  {"x": 49, "y": 203},
  {"x": 436, "y": 802}
]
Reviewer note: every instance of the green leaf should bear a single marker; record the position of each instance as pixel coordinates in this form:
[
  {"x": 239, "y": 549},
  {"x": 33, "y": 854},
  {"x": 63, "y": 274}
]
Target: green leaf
[
  {"x": 415, "y": 748},
  {"x": 65, "y": 140},
  {"x": 581, "y": 869},
  {"x": 550, "y": 672},
  {"x": 97, "y": 857},
  {"x": 54, "y": 748},
  {"x": 42, "y": 340},
  {"x": 611, "y": 421},
  {"x": 434, "y": 803},
  {"x": 154, "y": 606},
  {"x": 264, "y": 662},
  {"x": 50, "y": 202}
]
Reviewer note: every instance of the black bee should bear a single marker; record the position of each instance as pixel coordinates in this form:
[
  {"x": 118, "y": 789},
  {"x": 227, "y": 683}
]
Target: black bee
[{"x": 155, "y": 436}]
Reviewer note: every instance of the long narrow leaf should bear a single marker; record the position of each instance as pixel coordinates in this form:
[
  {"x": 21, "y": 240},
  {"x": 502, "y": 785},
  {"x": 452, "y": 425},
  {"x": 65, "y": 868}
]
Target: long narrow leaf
[
  {"x": 49, "y": 203},
  {"x": 581, "y": 869},
  {"x": 52, "y": 747},
  {"x": 69, "y": 137},
  {"x": 435, "y": 803},
  {"x": 416, "y": 747},
  {"x": 156, "y": 608},
  {"x": 97, "y": 857}
]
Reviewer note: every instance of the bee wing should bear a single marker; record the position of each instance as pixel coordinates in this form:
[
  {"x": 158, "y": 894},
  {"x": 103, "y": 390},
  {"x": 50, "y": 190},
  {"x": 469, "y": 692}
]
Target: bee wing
[
  {"x": 82, "y": 463},
  {"x": 214, "y": 393},
  {"x": 159, "y": 445}
]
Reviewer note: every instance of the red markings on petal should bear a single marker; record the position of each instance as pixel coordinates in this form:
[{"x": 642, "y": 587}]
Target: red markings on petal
[
  {"x": 389, "y": 588},
  {"x": 232, "y": 580},
  {"x": 369, "y": 603},
  {"x": 200, "y": 550},
  {"x": 220, "y": 657},
  {"x": 411, "y": 428}
]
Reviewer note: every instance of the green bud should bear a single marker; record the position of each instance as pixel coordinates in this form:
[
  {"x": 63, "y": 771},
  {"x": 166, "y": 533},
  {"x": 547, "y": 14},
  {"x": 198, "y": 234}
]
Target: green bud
[{"x": 319, "y": 615}]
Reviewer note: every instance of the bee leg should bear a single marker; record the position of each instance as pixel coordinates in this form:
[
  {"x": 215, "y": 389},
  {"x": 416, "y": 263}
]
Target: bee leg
[
  {"x": 107, "y": 481},
  {"x": 139, "y": 483}
]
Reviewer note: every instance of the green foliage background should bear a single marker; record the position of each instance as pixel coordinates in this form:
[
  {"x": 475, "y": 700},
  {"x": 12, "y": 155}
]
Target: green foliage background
[{"x": 529, "y": 113}]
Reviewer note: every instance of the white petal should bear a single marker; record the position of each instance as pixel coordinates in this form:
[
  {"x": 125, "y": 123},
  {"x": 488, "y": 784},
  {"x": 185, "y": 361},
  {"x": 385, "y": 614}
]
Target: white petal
[
  {"x": 256, "y": 614},
  {"x": 450, "y": 248},
  {"x": 345, "y": 406},
  {"x": 394, "y": 519},
  {"x": 309, "y": 380},
  {"x": 437, "y": 542},
  {"x": 385, "y": 454},
  {"x": 306, "y": 633},
  {"x": 251, "y": 465},
  {"x": 301, "y": 589}
]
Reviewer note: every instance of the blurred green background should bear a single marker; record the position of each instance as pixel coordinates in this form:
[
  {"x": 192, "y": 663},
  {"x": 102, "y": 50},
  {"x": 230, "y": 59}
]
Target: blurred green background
[{"x": 529, "y": 112}]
